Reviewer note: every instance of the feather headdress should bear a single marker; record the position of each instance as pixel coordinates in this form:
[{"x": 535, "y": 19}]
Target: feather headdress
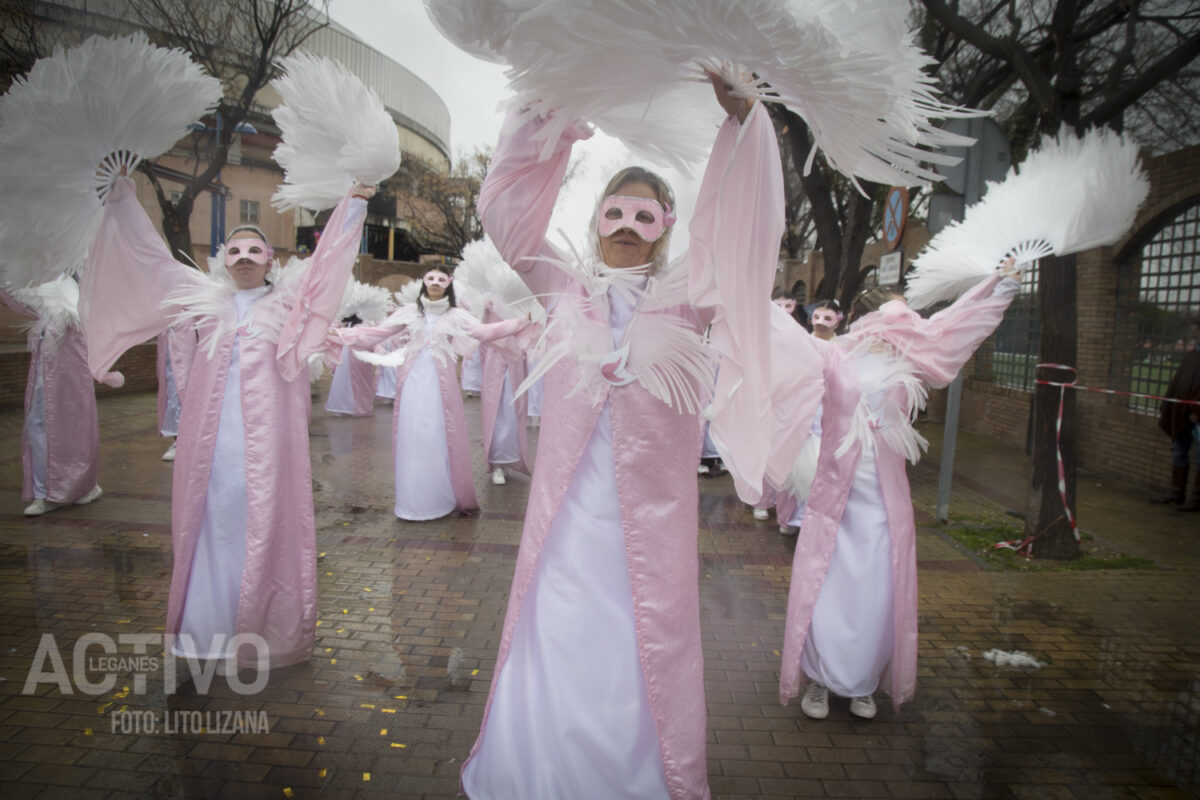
[
  {"x": 68, "y": 127},
  {"x": 335, "y": 132},
  {"x": 851, "y": 69},
  {"x": 1071, "y": 194},
  {"x": 485, "y": 271}
]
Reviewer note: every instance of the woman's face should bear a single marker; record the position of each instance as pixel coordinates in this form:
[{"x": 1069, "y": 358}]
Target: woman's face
[
  {"x": 624, "y": 248},
  {"x": 436, "y": 283},
  {"x": 246, "y": 272},
  {"x": 786, "y": 303}
]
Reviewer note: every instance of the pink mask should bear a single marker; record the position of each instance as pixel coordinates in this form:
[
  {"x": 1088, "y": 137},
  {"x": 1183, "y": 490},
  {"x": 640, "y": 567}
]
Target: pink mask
[
  {"x": 256, "y": 250},
  {"x": 436, "y": 279},
  {"x": 787, "y": 305},
  {"x": 826, "y": 317},
  {"x": 643, "y": 216}
]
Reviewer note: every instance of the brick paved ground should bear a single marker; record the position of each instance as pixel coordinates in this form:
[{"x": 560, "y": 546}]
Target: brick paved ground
[{"x": 410, "y": 617}]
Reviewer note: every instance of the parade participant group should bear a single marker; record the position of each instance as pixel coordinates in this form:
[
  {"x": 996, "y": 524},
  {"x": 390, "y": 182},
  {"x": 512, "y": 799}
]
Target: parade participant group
[{"x": 645, "y": 365}]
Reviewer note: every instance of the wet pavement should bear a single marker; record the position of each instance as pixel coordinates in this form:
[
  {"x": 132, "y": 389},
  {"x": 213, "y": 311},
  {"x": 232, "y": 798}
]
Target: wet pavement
[{"x": 410, "y": 615}]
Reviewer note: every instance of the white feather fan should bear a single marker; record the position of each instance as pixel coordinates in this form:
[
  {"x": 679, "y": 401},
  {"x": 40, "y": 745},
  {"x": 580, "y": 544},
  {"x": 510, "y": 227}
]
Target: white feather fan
[
  {"x": 485, "y": 271},
  {"x": 55, "y": 302},
  {"x": 1071, "y": 194},
  {"x": 369, "y": 303},
  {"x": 335, "y": 132},
  {"x": 68, "y": 127},
  {"x": 408, "y": 293},
  {"x": 848, "y": 67}
]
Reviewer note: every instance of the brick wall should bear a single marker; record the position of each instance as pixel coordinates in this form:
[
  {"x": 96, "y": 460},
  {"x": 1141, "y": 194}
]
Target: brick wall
[{"x": 137, "y": 365}]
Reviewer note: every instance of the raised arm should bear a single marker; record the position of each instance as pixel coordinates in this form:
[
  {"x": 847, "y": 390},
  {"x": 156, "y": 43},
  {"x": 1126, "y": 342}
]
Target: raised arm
[
  {"x": 733, "y": 255},
  {"x": 128, "y": 276},
  {"x": 366, "y": 337},
  {"x": 320, "y": 292},
  {"x": 518, "y": 195}
]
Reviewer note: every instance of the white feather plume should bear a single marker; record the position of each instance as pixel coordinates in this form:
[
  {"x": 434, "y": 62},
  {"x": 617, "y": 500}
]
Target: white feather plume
[
  {"x": 408, "y": 293},
  {"x": 68, "y": 127},
  {"x": 1070, "y": 194},
  {"x": 369, "y": 303},
  {"x": 485, "y": 271},
  {"x": 850, "y": 68},
  {"x": 56, "y": 304},
  {"x": 335, "y": 132}
]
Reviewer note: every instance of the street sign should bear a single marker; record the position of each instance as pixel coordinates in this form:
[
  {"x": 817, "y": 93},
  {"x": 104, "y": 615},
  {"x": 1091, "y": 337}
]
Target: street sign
[
  {"x": 895, "y": 214},
  {"x": 889, "y": 268}
]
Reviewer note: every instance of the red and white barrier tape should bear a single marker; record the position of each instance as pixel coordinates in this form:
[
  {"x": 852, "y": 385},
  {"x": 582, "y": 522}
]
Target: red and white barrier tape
[{"x": 1025, "y": 546}]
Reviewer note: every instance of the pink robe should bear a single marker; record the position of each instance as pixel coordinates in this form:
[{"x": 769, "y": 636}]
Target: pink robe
[
  {"x": 734, "y": 249},
  {"x": 932, "y": 351},
  {"x": 505, "y": 359},
  {"x": 352, "y": 390},
  {"x": 68, "y": 413},
  {"x": 456, "y": 333},
  {"x": 124, "y": 300}
]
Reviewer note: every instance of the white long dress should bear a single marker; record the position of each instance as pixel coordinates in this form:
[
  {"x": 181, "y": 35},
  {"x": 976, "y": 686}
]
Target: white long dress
[
  {"x": 211, "y": 605},
  {"x": 341, "y": 388},
  {"x": 505, "y": 446},
  {"x": 572, "y": 689},
  {"x": 423, "y": 486},
  {"x": 850, "y": 639}
]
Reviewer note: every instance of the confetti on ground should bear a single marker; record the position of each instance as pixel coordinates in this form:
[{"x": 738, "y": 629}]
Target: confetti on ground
[
  {"x": 333, "y": 661},
  {"x": 123, "y": 693},
  {"x": 345, "y": 611},
  {"x": 322, "y": 773},
  {"x": 104, "y": 708},
  {"x": 87, "y": 731},
  {"x": 397, "y": 744},
  {"x": 401, "y": 697},
  {"x": 319, "y": 712},
  {"x": 320, "y": 740},
  {"x": 287, "y": 791},
  {"x": 366, "y": 588},
  {"x": 359, "y": 678},
  {"x": 383, "y": 731},
  {"x": 474, "y": 672},
  {"x": 366, "y": 776},
  {"x": 1017, "y": 658},
  {"x": 388, "y": 710}
]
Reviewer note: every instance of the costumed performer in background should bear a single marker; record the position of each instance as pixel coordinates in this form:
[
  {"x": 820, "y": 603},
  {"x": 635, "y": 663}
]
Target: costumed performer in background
[
  {"x": 176, "y": 347},
  {"x": 430, "y": 444},
  {"x": 60, "y": 440},
  {"x": 852, "y": 603}
]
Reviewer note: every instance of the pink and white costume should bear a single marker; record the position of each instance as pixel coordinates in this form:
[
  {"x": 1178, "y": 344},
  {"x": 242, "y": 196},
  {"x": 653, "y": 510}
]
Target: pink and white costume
[
  {"x": 503, "y": 419},
  {"x": 60, "y": 440},
  {"x": 852, "y": 605},
  {"x": 242, "y": 510},
  {"x": 352, "y": 390},
  {"x": 598, "y": 687},
  {"x": 429, "y": 431}
]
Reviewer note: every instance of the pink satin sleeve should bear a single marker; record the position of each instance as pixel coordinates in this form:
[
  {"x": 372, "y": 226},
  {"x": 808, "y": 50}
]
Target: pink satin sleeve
[
  {"x": 939, "y": 346},
  {"x": 320, "y": 293},
  {"x": 365, "y": 337},
  {"x": 517, "y": 199},
  {"x": 128, "y": 275},
  {"x": 732, "y": 258}
]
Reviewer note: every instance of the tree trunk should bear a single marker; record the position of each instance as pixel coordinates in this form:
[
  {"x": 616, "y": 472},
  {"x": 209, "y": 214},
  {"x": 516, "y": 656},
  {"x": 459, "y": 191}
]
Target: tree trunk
[{"x": 1046, "y": 517}]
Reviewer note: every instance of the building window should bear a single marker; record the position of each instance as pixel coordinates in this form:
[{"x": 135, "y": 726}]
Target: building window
[
  {"x": 248, "y": 212},
  {"x": 1158, "y": 293},
  {"x": 1014, "y": 351}
]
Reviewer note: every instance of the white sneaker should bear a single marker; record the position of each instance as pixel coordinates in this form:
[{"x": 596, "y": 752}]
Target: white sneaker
[
  {"x": 498, "y": 476},
  {"x": 815, "y": 704},
  {"x": 702, "y": 469},
  {"x": 92, "y": 494},
  {"x": 40, "y": 506},
  {"x": 863, "y": 707},
  {"x": 170, "y": 454},
  {"x": 761, "y": 514},
  {"x": 788, "y": 530}
]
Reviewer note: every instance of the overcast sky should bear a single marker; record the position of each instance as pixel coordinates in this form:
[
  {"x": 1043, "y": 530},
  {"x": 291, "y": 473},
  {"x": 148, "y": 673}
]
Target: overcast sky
[{"x": 472, "y": 89}]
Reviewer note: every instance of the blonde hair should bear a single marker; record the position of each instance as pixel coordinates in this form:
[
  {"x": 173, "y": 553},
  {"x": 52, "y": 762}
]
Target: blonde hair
[{"x": 662, "y": 193}]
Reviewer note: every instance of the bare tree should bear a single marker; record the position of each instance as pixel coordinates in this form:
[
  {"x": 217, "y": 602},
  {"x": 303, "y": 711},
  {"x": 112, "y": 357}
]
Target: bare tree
[
  {"x": 21, "y": 40},
  {"x": 1050, "y": 63},
  {"x": 439, "y": 205},
  {"x": 240, "y": 42}
]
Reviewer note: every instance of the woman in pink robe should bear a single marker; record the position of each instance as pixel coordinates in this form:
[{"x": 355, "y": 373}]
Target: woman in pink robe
[
  {"x": 242, "y": 525},
  {"x": 352, "y": 389},
  {"x": 598, "y": 686},
  {"x": 429, "y": 430},
  {"x": 852, "y": 604},
  {"x": 503, "y": 418},
  {"x": 60, "y": 440}
]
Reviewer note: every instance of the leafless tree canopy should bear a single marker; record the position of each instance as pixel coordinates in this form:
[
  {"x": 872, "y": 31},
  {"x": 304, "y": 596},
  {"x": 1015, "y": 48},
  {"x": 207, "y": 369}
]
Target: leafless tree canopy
[
  {"x": 440, "y": 206},
  {"x": 238, "y": 41}
]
